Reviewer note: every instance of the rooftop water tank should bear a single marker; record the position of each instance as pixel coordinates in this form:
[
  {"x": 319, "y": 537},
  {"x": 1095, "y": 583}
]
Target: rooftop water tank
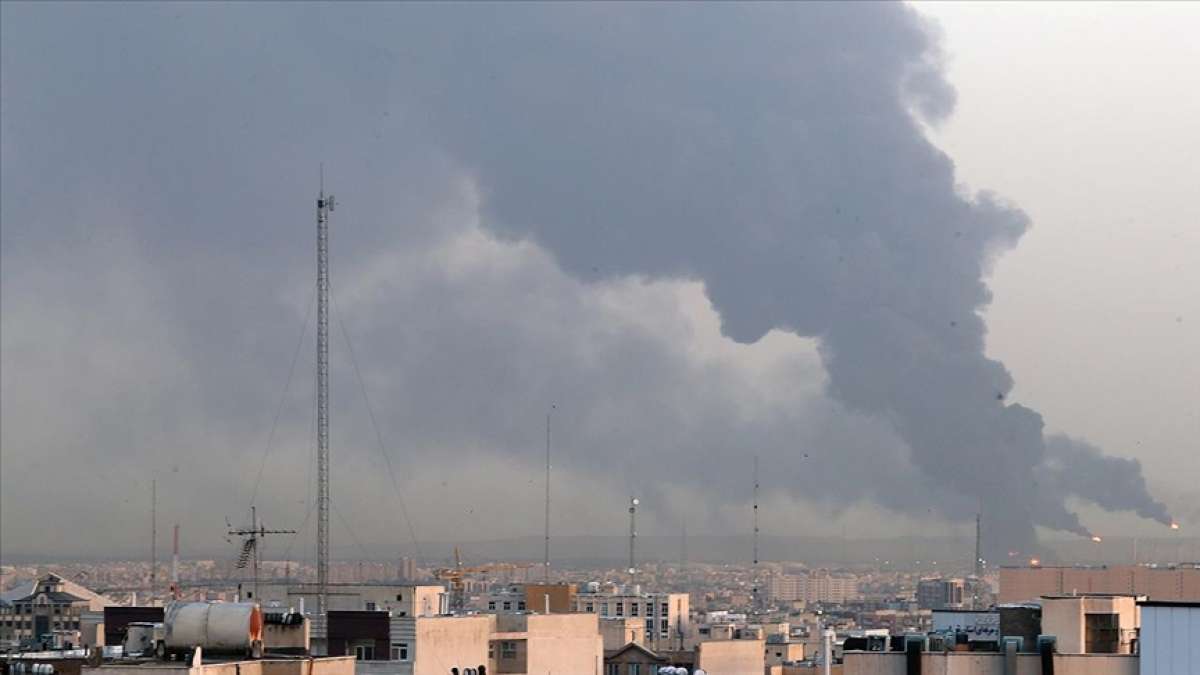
[{"x": 216, "y": 627}]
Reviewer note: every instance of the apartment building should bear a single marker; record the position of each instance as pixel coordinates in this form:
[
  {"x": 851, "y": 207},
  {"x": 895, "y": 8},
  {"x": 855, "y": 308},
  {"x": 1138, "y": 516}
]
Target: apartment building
[
  {"x": 663, "y": 615},
  {"x": 52, "y": 605},
  {"x": 818, "y": 586}
]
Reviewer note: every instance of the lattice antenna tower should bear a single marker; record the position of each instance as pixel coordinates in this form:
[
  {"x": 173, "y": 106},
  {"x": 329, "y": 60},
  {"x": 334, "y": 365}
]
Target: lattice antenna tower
[
  {"x": 325, "y": 206},
  {"x": 633, "y": 504},
  {"x": 754, "y": 596}
]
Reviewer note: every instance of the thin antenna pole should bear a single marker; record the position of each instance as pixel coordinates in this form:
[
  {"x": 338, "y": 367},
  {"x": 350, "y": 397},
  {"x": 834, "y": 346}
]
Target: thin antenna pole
[
  {"x": 633, "y": 504},
  {"x": 175, "y": 563},
  {"x": 978, "y": 558},
  {"x": 755, "y": 602},
  {"x": 254, "y": 529},
  {"x": 324, "y": 206},
  {"x": 153, "y": 537},
  {"x": 546, "y": 556}
]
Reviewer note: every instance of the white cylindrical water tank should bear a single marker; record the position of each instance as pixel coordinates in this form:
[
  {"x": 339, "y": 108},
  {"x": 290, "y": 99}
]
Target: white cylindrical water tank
[{"x": 214, "y": 626}]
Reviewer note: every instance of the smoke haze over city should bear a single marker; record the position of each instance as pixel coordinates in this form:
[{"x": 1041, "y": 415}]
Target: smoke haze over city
[{"x": 701, "y": 233}]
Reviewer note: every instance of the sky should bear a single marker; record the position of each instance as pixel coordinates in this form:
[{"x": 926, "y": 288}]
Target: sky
[{"x": 915, "y": 258}]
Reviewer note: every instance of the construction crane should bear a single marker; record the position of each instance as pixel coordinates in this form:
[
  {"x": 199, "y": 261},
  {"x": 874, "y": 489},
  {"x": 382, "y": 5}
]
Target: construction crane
[{"x": 457, "y": 574}]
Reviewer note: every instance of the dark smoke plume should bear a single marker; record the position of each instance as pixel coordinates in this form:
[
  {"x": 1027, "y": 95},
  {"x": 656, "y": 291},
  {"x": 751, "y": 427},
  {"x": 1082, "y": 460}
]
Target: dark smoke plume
[{"x": 776, "y": 153}]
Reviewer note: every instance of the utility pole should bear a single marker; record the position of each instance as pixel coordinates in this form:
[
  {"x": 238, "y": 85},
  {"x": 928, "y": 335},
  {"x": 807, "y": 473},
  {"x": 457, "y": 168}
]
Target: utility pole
[
  {"x": 633, "y": 504},
  {"x": 324, "y": 207},
  {"x": 153, "y": 538},
  {"x": 250, "y": 547}
]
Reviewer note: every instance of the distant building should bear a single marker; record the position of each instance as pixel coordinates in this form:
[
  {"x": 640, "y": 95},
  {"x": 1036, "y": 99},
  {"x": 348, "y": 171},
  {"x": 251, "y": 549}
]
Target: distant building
[
  {"x": 818, "y": 586},
  {"x": 53, "y": 605},
  {"x": 400, "y": 599},
  {"x": 664, "y": 615},
  {"x": 941, "y": 593},
  {"x": 408, "y": 570},
  {"x": 1178, "y": 583}
]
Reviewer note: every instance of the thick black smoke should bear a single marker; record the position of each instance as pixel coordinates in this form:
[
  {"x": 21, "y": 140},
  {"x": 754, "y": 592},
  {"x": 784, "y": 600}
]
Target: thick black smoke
[{"x": 776, "y": 153}]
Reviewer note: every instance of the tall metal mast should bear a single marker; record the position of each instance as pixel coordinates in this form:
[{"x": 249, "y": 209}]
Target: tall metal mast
[
  {"x": 633, "y": 504},
  {"x": 978, "y": 560},
  {"x": 153, "y": 537},
  {"x": 754, "y": 599},
  {"x": 324, "y": 206},
  {"x": 175, "y": 564},
  {"x": 546, "y": 560}
]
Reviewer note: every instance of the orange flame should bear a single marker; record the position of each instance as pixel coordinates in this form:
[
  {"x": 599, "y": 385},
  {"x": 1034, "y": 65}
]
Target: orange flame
[{"x": 1174, "y": 526}]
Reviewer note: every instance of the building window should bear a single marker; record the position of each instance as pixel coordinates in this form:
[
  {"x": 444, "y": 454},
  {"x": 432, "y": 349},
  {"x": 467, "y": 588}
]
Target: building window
[
  {"x": 364, "y": 652},
  {"x": 649, "y": 608},
  {"x": 666, "y": 609},
  {"x": 1101, "y": 633},
  {"x": 370, "y": 607},
  {"x": 589, "y": 608},
  {"x": 635, "y": 669},
  {"x": 508, "y": 649},
  {"x": 521, "y": 605},
  {"x": 399, "y": 651},
  {"x": 604, "y": 609},
  {"x": 633, "y": 608},
  {"x": 492, "y": 605},
  {"x": 507, "y": 605},
  {"x": 620, "y": 609},
  {"x": 649, "y": 628},
  {"x": 612, "y": 669},
  {"x": 663, "y": 626},
  {"x": 399, "y": 598}
]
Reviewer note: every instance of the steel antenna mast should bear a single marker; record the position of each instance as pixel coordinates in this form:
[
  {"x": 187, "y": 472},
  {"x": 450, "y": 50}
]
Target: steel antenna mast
[
  {"x": 546, "y": 559},
  {"x": 755, "y": 602},
  {"x": 324, "y": 206},
  {"x": 633, "y": 504},
  {"x": 153, "y": 538}
]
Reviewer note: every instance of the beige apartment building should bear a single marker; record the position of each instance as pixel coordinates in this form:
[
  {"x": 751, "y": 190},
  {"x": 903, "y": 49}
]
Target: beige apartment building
[
  {"x": 818, "y": 586},
  {"x": 399, "y": 599},
  {"x": 1164, "y": 583},
  {"x": 664, "y": 616},
  {"x": 1092, "y": 624}
]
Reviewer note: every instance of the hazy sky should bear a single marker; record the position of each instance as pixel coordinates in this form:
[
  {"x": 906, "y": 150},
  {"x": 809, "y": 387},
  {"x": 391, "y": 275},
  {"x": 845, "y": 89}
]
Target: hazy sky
[
  {"x": 577, "y": 207},
  {"x": 1084, "y": 114}
]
